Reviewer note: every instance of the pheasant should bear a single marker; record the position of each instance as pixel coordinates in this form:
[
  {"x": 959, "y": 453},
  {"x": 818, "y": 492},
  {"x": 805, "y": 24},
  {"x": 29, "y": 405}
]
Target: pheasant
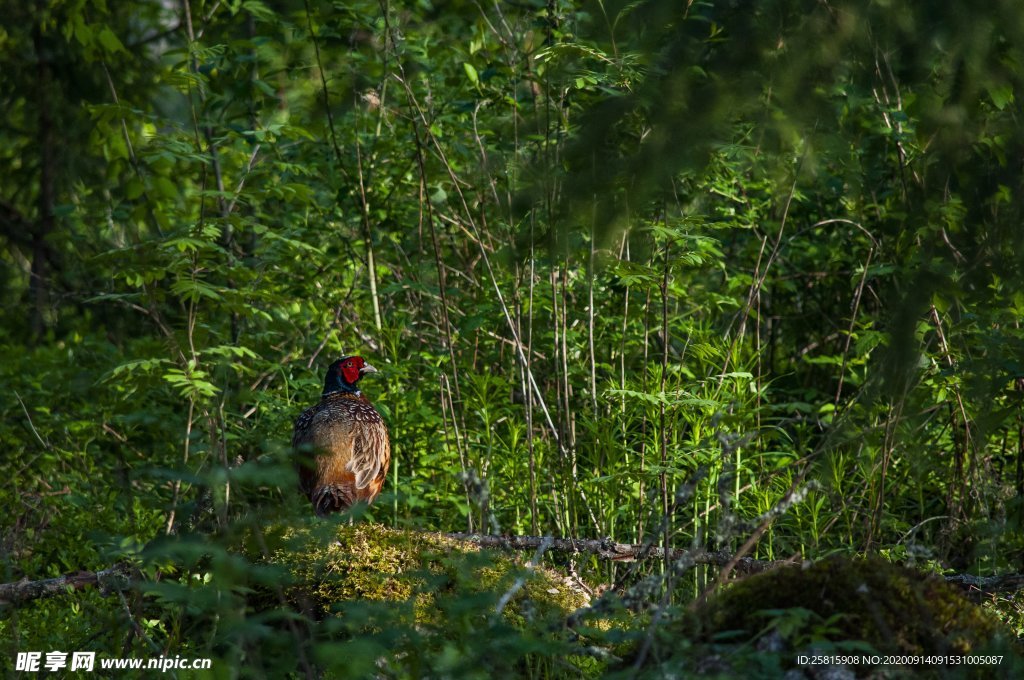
[{"x": 342, "y": 446}]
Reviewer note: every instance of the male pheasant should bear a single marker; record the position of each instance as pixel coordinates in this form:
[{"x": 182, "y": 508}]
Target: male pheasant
[{"x": 342, "y": 446}]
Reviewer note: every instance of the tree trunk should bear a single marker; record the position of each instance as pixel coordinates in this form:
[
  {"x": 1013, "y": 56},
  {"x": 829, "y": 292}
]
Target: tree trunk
[{"x": 39, "y": 285}]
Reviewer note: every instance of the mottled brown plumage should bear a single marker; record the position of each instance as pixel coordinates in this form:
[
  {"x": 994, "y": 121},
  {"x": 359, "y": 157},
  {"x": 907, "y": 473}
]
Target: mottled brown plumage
[{"x": 341, "y": 444}]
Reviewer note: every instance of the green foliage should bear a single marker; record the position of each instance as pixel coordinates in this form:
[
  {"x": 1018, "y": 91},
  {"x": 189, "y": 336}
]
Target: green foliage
[{"x": 654, "y": 271}]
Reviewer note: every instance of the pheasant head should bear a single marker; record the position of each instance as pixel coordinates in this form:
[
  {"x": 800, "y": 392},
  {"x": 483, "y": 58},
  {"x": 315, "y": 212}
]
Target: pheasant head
[{"x": 344, "y": 373}]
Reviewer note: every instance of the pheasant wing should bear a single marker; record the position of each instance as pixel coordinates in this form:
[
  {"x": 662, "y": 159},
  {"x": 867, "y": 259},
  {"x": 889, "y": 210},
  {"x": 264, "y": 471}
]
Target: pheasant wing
[{"x": 371, "y": 454}]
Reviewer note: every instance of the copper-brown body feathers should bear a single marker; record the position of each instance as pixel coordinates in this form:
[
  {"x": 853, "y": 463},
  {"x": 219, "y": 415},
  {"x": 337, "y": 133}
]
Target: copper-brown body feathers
[{"x": 343, "y": 452}]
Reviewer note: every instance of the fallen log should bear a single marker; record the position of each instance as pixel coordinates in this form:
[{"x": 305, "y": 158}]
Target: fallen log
[
  {"x": 608, "y": 549},
  {"x": 121, "y": 576},
  {"x": 111, "y": 580}
]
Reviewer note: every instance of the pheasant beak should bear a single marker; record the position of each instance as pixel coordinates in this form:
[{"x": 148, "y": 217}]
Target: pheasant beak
[{"x": 367, "y": 368}]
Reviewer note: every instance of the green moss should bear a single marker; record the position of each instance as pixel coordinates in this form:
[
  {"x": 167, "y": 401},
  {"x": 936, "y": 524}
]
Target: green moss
[
  {"x": 420, "y": 602},
  {"x": 893, "y": 608},
  {"x": 757, "y": 627},
  {"x": 330, "y": 565}
]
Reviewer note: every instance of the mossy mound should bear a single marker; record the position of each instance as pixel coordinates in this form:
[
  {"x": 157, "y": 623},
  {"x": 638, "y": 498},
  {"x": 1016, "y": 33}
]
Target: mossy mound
[
  {"x": 398, "y": 603},
  {"x": 895, "y": 609},
  {"x": 333, "y": 564},
  {"x": 758, "y": 627}
]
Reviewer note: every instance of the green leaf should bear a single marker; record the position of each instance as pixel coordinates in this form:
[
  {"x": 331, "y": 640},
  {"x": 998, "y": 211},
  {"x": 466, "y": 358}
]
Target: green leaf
[
  {"x": 471, "y": 73},
  {"x": 1002, "y": 95},
  {"x": 138, "y": 366},
  {"x": 133, "y": 189},
  {"x": 110, "y": 42},
  {"x": 165, "y": 188},
  {"x": 194, "y": 290},
  {"x": 82, "y": 32}
]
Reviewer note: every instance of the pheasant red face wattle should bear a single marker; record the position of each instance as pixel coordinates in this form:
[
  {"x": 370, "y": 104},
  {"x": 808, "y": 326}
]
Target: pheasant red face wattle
[{"x": 350, "y": 370}]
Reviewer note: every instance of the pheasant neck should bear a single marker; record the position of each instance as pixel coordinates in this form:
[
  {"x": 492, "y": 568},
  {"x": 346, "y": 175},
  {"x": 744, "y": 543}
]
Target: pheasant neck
[{"x": 338, "y": 386}]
